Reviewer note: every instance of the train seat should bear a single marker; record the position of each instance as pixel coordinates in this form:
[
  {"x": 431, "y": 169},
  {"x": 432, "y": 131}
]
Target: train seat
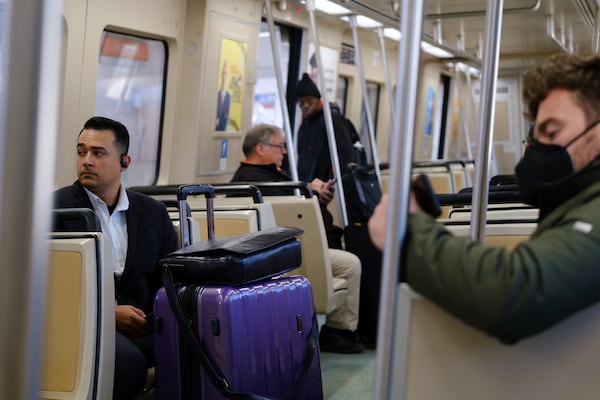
[
  {"x": 458, "y": 174},
  {"x": 470, "y": 173},
  {"x": 236, "y": 220},
  {"x": 231, "y": 218},
  {"x": 305, "y": 213},
  {"x": 233, "y": 215},
  {"x": 499, "y": 233},
  {"x": 385, "y": 180},
  {"x": 445, "y": 358},
  {"x": 441, "y": 183},
  {"x": 78, "y": 358},
  {"x": 194, "y": 228},
  {"x": 515, "y": 212}
]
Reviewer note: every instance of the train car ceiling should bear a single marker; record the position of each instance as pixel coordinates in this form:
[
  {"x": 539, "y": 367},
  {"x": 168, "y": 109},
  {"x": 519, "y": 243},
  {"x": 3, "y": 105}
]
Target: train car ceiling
[{"x": 459, "y": 26}]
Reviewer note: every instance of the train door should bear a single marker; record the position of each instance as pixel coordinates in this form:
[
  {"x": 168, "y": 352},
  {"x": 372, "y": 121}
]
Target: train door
[
  {"x": 432, "y": 114},
  {"x": 267, "y": 104},
  {"x": 341, "y": 93},
  {"x": 508, "y": 123},
  {"x": 461, "y": 114},
  {"x": 373, "y": 94}
]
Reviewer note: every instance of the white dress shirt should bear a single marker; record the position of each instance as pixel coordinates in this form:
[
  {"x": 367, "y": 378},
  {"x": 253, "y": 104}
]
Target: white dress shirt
[{"x": 114, "y": 227}]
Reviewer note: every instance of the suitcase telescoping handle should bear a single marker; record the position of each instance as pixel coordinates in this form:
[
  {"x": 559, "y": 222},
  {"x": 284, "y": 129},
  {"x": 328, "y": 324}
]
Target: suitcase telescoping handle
[{"x": 193, "y": 190}]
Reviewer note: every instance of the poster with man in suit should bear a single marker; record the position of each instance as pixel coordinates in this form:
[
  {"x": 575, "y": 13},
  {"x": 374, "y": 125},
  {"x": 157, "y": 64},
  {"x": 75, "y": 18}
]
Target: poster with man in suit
[{"x": 231, "y": 90}]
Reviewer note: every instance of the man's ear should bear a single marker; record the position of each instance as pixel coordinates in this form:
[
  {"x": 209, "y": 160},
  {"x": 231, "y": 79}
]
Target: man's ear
[
  {"x": 259, "y": 149},
  {"x": 585, "y": 150}
]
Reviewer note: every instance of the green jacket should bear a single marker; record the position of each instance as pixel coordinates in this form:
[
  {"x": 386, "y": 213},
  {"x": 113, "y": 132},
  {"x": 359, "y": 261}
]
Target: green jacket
[{"x": 512, "y": 294}]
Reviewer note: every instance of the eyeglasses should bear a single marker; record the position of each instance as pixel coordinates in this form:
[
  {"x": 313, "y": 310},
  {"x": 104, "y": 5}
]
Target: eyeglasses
[{"x": 281, "y": 146}]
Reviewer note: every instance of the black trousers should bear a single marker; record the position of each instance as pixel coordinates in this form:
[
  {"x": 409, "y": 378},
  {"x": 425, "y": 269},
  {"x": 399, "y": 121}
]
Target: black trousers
[
  {"x": 133, "y": 357},
  {"x": 358, "y": 242}
]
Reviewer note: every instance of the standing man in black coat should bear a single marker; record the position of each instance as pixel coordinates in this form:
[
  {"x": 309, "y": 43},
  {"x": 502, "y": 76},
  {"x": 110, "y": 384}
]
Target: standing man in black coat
[
  {"x": 139, "y": 232},
  {"x": 314, "y": 159}
]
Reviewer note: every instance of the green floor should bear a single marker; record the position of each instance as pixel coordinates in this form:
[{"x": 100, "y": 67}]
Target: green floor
[{"x": 348, "y": 376}]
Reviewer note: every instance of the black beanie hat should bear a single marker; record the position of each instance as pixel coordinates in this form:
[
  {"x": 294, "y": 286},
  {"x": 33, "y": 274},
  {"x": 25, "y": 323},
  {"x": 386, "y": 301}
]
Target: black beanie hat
[{"x": 306, "y": 87}]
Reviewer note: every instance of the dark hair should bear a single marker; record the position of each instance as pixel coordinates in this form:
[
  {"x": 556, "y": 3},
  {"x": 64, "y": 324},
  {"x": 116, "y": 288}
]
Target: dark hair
[
  {"x": 580, "y": 74},
  {"x": 107, "y": 124},
  {"x": 261, "y": 133}
]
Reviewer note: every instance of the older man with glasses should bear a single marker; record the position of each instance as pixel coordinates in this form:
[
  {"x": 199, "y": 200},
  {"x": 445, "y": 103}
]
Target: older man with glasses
[{"x": 264, "y": 148}]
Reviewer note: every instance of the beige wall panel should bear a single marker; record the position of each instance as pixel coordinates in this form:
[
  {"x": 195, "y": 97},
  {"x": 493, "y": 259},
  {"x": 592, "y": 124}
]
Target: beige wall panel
[
  {"x": 501, "y": 128},
  {"x": 198, "y": 145},
  {"x": 72, "y": 55},
  {"x": 85, "y": 23}
]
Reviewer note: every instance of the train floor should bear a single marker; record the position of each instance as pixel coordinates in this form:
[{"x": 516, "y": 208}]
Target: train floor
[
  {"x": 345, "y": 376},
  {"x": 348, "y": 376}
]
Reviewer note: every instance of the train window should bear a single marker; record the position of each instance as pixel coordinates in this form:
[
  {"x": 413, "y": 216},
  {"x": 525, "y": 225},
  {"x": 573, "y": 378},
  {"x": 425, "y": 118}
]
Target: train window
[
  {"x": 373, "y": 91},
  {"x": 130, "y": 88},
  {"x": 341, "y": 93}
]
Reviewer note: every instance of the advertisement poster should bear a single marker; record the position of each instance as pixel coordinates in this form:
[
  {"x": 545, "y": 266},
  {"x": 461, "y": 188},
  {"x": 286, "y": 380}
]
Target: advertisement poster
[
  {"x": 232, "y": 71},
  {"x": 223, "y": 158}
]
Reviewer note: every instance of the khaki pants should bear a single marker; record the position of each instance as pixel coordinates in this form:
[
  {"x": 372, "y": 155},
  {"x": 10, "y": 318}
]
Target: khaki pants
[{"x": 345, "y": 265}]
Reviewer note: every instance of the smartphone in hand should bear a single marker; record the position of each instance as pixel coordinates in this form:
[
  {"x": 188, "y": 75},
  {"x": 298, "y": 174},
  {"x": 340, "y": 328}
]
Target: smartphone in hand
[
  {"x": 149, "y": 317},
  {"x": 425, "y": 195}
]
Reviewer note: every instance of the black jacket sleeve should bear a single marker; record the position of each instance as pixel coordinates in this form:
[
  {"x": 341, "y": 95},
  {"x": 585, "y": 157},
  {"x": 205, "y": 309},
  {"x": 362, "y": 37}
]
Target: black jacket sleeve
[{"x": 343, "y": 138}]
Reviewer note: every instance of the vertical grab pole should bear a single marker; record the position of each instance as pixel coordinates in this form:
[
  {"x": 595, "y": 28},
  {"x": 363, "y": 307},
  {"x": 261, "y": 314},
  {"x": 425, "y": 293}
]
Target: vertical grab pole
[
  {"x": 275, "y": 43},
  {"x": 29, "y": 87},
  {"x": 485, "y": 123},
  {"x": 390, "y": 367},
  {"x": 462, "y": 115},
  {"x": 596, "y": 35},
  {"x": 335, "y": 163},
  {"x": 471, "y": 108},
  {"x": 386, "y": 70},
  {"x": 365, "y": 98}
]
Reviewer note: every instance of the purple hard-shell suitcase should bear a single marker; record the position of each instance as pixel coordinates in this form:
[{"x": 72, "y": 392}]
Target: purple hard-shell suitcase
[
  {"x": 256, "y": 336},
  {"x": 261, "y": 337}
]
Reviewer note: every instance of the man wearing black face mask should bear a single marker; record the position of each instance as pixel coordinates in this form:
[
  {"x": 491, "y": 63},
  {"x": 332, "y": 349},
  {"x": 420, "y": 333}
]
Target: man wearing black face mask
[{"x": 512, "y": 294}]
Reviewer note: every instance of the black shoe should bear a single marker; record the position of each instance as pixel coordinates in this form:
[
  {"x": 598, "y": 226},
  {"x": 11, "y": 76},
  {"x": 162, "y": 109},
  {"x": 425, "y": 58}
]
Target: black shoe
[
  {"x": 368, "y": 340},
  {"x": 339, "y": 341}
]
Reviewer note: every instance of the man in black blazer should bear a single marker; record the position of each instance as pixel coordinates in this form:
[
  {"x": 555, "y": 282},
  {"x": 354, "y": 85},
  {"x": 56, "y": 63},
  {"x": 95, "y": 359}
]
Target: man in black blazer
[{"x": 139, "y": 231}]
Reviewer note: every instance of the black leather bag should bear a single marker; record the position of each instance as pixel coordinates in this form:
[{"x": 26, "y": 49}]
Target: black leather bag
[
  {"x": 362, "y": 192},
  {"x": 237, "y": 260}
]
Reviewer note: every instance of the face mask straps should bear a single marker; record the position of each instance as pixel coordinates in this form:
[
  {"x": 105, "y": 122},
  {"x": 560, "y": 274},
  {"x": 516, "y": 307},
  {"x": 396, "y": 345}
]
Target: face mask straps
[{"x": 586, "y": 130}]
